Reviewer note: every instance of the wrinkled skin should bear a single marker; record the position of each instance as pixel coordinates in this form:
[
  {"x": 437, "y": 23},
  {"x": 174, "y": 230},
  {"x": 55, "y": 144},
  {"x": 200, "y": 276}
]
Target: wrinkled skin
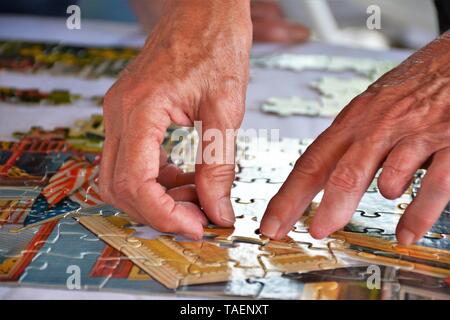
[
  {"x": 400, "y": 124},
  {"x": 194, "y": 66},
  {"x": 269, "y": 23}
]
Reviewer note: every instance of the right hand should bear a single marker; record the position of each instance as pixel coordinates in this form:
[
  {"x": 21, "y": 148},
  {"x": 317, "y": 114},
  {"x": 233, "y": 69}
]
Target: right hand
[{"x": 194, "y": 66}]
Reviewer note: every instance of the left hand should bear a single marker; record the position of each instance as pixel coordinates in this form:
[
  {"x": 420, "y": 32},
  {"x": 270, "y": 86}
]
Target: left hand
[{"x": 400, "y": 124}]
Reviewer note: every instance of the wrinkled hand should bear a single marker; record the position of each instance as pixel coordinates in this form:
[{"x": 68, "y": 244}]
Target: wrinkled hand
[
  {"x": 270, "y": 25},
  {"x": 194, "y": 66},
  {"x": 401, "y": 123}
]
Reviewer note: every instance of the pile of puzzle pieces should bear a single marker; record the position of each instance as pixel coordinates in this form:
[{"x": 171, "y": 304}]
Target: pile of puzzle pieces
[
  {"x": 56, "y": 232},
  {"x": 335, "y": 92}
]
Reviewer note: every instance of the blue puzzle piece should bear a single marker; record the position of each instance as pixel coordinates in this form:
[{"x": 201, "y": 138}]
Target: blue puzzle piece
[{"x": 41, "y": 211}]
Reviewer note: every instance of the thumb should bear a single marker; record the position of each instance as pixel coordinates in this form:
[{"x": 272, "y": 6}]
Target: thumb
[{"x": 214, "y": 171}]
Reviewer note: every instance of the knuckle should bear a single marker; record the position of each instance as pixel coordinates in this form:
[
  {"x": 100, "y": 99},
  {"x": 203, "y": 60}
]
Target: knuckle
[
  {"x": 347, "y": 179},
  {"x": 218, "y": 173},
  {"x": 378, "y": 137},
  {"x": 310, "y": 164},
  {"x": 111, "y": 97}
]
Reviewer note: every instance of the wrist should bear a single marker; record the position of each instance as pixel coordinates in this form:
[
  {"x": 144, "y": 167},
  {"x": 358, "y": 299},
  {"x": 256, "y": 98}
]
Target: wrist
[{"x": 212, "y": 21}]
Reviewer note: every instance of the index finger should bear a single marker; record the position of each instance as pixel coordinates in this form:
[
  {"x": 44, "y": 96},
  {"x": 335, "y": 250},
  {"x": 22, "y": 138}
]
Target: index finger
[{"x": 308, "y": 177}]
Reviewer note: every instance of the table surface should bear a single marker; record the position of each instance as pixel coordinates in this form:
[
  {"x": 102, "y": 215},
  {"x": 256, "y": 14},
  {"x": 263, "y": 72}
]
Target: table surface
[{"x": 264, "y": 83}]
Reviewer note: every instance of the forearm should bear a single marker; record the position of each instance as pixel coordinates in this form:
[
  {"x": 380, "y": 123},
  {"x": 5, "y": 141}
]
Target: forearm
[{"x": 214, "y": 14}]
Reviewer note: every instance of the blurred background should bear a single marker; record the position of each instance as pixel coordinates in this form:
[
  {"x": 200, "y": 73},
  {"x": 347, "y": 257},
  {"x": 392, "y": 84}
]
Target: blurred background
[{"x": 404, "y": 23}]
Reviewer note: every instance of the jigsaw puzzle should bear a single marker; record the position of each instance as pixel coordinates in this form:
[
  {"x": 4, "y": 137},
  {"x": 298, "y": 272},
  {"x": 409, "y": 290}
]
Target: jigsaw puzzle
[
  {"x": 33, "y": 97},
  {"x": 369, "y": 68},
  {"x": 335, "y": 92},
  {"x": 52, "y": 219},
  {"x": 60, "y": 59}
]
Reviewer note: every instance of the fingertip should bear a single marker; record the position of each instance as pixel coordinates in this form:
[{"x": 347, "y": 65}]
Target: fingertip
[
  {"x": 189, "y": 221},
  {"x": 213, "y": 186},
  {"x": 405, "y": 237},
  {"x": 195, "y": 235},
  {"x": 318, "y": 233},
  {"x": 388, "y": 184},
  {"x": 270, "y": 227},
  {"x": 204, "y": 221},
  {"x": 322, "y": 226}
]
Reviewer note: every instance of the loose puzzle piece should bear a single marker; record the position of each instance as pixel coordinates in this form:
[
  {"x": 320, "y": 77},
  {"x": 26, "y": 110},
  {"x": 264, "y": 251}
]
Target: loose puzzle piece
[
  {"x": 299, "y": 62},
  {"x": 295, "y": 106},
  {"x": 246, "y": 229},
  {"x": 335, "y": 94}
]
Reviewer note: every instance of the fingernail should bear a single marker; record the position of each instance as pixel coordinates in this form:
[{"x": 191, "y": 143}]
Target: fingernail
[
  {"x": 271, "y": 227},
  {"x": 406, "y": 237},
  {"x": 226, "y": 211}
]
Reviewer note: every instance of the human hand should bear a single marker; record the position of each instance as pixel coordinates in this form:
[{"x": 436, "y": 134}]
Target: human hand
[
  {"x": 194, "y": 66},
  {"x": 401, "y": 123},
  {"x": 270, "y": 24}
]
